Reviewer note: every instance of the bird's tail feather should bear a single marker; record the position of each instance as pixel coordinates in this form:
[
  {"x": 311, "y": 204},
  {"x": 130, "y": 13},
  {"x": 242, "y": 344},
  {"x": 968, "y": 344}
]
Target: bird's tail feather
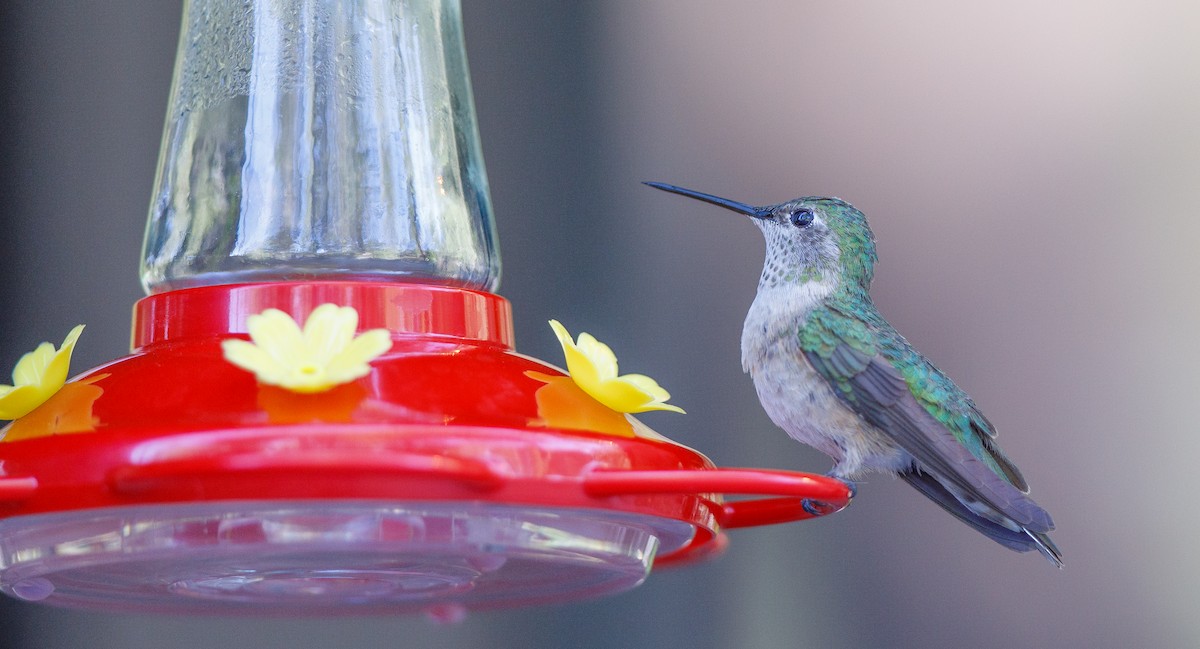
[
  {"x": 1021, "y": 541},
  {"x": 1042, "y": 542}
]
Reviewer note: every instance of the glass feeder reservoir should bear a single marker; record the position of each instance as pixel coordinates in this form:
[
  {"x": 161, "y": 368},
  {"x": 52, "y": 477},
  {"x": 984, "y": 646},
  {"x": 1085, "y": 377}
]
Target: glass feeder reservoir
[
  {"x": 321, "y": 139},
  {"x": 325, "y": 152}
]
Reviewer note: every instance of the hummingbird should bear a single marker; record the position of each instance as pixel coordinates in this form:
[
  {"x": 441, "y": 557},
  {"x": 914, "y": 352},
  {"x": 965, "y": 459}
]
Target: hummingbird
[{"x": 834, "y": 374}]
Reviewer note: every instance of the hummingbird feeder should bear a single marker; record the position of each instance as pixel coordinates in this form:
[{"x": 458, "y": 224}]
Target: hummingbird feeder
[{"x": 325, "y": 152}]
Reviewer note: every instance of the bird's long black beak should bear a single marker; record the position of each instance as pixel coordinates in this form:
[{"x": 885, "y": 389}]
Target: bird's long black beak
[{"x": 748, "y": 210}]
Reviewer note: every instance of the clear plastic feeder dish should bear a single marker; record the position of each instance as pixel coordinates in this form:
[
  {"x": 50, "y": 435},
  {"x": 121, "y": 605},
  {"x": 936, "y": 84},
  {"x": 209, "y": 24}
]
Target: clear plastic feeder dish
[
  {"x": 325, "y": 151},
  {"x": 321, "y": 557}
]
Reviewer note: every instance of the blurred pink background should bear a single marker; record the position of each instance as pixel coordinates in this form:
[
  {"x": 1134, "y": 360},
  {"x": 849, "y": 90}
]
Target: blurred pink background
[{"x": 1029, "y": 169}]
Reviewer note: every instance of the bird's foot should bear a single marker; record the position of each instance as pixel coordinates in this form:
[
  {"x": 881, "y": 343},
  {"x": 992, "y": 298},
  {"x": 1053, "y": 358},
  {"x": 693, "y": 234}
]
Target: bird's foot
[
  {"x": 817, "y": 507},
  {"x": 852, "y": 486}
]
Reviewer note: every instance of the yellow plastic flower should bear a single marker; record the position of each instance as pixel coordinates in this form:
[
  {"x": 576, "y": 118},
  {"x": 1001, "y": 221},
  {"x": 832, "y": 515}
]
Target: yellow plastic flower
[
  {"x": 69, "y": 411},
  {"x": 37, "y": 376},
  {"x": 561, "y": 403},
  {"x": 324, "y": 354},
  {"x": 593, "y": 366}
]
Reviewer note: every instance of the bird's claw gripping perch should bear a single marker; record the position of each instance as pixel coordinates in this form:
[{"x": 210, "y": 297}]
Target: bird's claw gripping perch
[{"x": 817, "y": 507}]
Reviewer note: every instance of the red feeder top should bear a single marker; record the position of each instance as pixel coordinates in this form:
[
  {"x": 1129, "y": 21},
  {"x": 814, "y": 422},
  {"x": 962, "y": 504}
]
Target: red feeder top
[{"x": 451, "y": 412}]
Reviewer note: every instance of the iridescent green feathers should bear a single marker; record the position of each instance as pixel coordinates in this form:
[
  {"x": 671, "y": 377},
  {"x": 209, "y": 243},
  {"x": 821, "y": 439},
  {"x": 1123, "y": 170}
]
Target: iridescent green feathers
[
  {"x": 855, "y": 241},
  {"x": 842, "y": 338}
]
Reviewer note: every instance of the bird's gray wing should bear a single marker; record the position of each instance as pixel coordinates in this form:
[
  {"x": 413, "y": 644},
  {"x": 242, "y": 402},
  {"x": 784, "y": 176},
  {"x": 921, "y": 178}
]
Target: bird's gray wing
[{"x": 935, "y": 422}]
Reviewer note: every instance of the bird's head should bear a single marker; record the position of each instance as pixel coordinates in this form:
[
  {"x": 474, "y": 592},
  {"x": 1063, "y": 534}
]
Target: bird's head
[{"x": 808, "y": 239}]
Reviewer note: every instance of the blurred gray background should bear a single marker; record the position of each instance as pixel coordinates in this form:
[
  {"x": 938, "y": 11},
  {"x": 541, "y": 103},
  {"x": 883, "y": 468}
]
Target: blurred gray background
[{"x": 1030, "y": 169}]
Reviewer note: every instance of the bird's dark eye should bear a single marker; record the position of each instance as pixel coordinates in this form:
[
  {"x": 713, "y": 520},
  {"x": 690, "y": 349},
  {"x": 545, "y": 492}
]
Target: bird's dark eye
[{"x": 801, "y": 218}]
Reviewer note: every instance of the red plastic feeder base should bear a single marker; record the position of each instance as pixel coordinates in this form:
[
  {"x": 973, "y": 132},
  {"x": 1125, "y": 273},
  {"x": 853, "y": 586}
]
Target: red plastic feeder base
[{"x": 457, "y": 475}]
